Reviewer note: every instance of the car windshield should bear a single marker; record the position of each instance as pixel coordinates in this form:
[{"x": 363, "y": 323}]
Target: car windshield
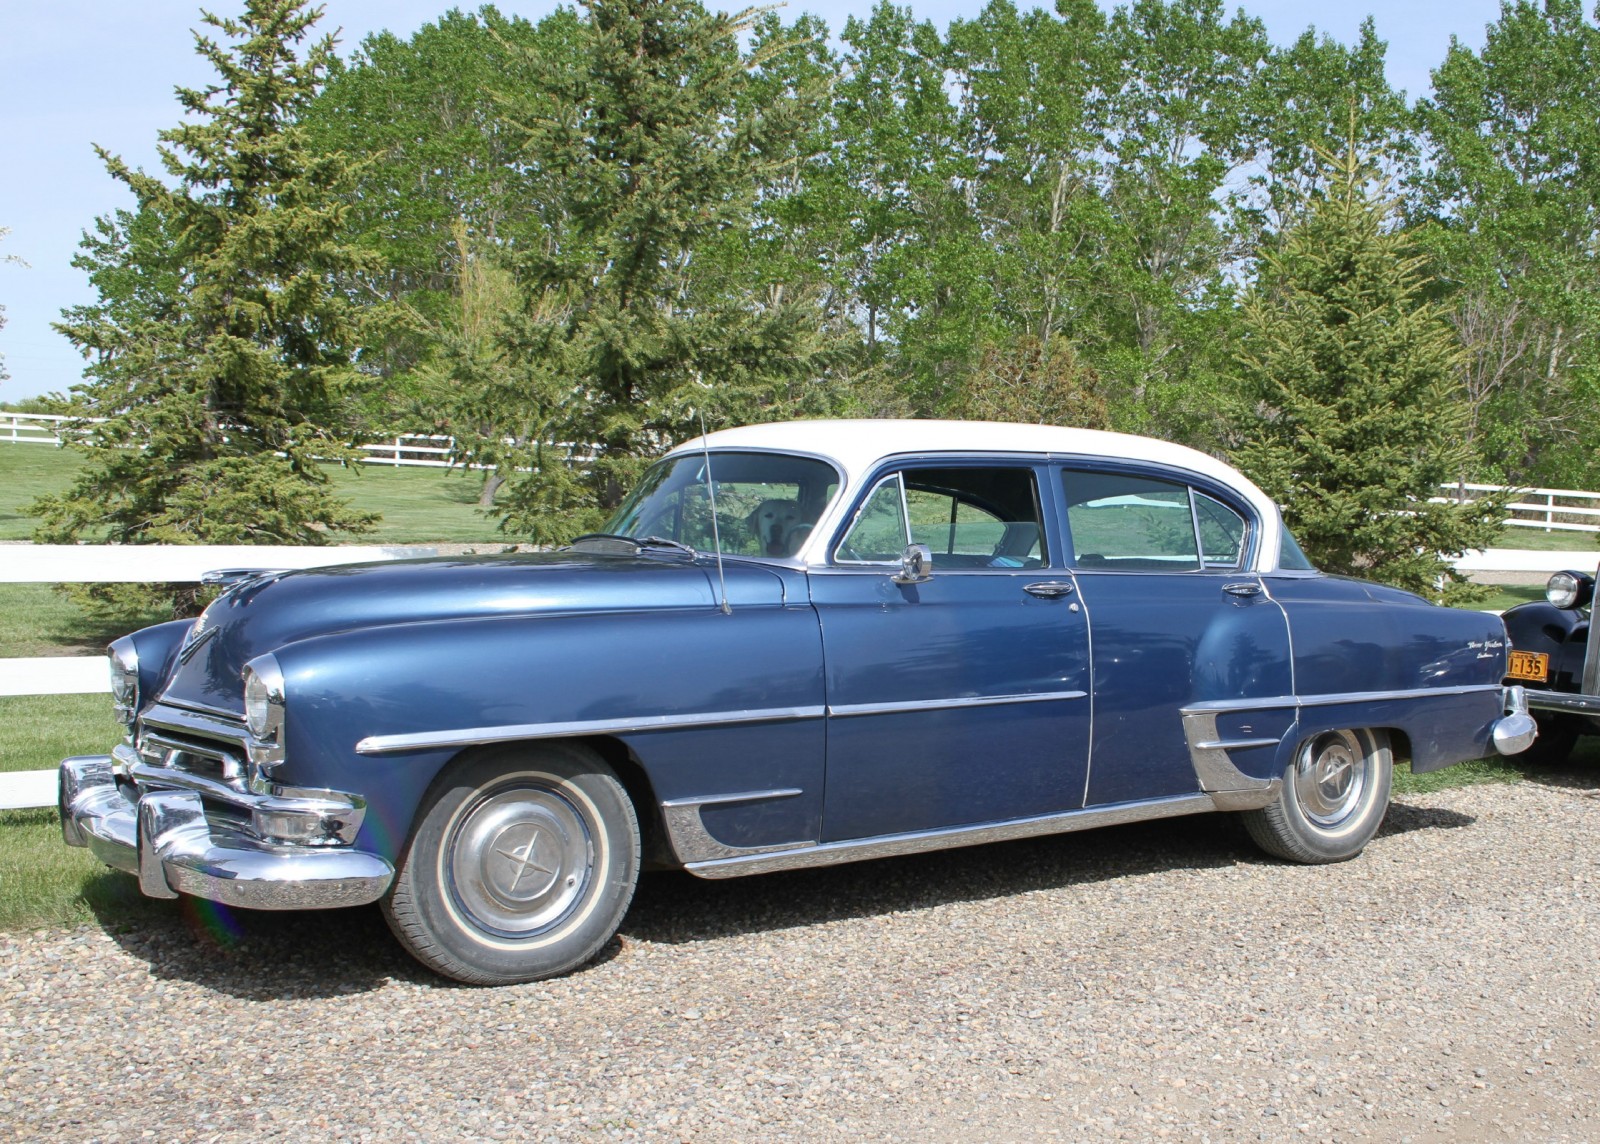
[{"x": 766, "y": 503}]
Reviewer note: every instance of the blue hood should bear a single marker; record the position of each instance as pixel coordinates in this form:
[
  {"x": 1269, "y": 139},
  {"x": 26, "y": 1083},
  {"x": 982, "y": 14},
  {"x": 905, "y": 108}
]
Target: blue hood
[{"x": 261, "y": 616}]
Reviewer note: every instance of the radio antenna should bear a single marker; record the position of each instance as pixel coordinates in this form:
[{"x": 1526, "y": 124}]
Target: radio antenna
[{"x": 716, "y": 533}]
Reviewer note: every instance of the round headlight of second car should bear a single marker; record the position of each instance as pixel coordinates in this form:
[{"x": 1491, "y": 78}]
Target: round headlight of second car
[
  {"x": 263, "y": 698},
  {"x": 1565, "y": 590}
]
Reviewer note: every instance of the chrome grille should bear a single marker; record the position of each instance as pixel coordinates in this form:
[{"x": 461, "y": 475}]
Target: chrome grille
[{"x": 205, "y": 745}]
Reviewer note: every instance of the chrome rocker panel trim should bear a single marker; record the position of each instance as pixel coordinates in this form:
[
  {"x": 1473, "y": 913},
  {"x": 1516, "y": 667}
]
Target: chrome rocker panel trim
[
  {"x": 166, "y": 840},
  {"x": 887, "y": 846}
]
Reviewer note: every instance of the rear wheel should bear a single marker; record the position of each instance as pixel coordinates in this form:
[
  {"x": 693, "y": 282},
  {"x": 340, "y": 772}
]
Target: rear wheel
[
  {"x": 1332, "y": 801},
  {"x": 521, "y": 866}
]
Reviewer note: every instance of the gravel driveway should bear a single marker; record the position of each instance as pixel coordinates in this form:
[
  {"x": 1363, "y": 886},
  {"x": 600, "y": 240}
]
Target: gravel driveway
[{"x": 1152, "y": 981}]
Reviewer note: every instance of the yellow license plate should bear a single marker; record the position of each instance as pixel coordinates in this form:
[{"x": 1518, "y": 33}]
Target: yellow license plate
[{"x": 1533, "y": 666}]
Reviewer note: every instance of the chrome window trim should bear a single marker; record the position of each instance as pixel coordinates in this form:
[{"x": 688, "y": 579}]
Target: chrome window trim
[
  {"x": 476, "y": 736},
  {"x": 1245, "y": 541},
  {"x": 851, "y": 710}
]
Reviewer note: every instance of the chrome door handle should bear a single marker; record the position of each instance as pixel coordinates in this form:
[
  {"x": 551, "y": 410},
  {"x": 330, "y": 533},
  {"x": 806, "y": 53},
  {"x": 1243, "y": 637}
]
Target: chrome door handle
[
  {"x": 1244, "y": 590},
  {"x": 1050, "y": 589}
]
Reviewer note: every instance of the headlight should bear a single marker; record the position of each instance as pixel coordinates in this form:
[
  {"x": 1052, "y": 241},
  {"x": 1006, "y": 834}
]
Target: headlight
[
  {"x": 1568, "y": 589},
  {"x": 263, "y": 699},
  {"x": 124, "y": 660}
]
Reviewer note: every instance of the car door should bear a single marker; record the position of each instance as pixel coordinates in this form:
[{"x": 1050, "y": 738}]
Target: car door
[
  {"x": 961, "y": 699},
  {"x": 1161, "y": 565}
]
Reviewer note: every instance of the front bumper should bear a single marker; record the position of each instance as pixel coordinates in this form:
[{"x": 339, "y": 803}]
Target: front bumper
[{"x": 156, "y": 825}]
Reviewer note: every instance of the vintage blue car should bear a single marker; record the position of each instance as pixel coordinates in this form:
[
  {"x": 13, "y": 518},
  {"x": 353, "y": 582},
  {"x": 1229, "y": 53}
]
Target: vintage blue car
[{"x": 793, "y": 645}]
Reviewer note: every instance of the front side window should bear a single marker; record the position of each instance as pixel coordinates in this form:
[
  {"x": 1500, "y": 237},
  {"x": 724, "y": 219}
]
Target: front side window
[
  {"x": 766, "y": 503},
  {"x": 970, "y": 518},
  {"x": 1131, "y": 523}
]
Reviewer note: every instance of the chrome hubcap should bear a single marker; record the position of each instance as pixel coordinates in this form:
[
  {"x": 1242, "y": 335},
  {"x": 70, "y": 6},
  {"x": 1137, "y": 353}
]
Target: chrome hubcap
[
  {"x": 1330, "y": 778},
  {"x": 518, "y": 859}
]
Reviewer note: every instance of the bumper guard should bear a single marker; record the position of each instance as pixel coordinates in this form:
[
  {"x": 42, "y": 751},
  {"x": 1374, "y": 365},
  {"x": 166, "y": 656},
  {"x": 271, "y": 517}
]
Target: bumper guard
[{"x": 165, "y": 839}]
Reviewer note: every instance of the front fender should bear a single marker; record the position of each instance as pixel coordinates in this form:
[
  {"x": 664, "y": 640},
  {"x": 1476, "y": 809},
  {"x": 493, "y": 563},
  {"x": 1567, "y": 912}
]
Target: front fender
[
  {"x": 1561, "y": 633},
  {"x": 709, "y": 704}
]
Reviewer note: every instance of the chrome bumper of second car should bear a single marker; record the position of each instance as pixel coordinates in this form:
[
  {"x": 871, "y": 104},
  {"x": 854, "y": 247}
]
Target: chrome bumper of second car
[
  {"x": 156, "y": 827},
  {"x": 1564, "y": 701}
]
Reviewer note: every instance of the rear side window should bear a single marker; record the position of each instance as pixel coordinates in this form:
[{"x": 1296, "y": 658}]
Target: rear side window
[{"x": 1131, "y": 523}]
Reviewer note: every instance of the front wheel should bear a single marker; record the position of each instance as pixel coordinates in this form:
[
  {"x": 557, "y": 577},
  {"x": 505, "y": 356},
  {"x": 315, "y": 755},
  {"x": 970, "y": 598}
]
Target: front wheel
[
  {"x": 1332, "y": 801},
  {"x": 521, "y": 866}
]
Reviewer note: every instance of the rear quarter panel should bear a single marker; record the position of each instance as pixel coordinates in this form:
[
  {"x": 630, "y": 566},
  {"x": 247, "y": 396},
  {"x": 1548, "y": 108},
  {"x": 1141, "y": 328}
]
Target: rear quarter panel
[{"x": 1356, "y": 645}]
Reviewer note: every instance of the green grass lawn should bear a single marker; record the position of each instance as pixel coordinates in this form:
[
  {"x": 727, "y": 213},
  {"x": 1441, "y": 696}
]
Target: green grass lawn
[
  {"x": 42, "y": 880},
  {"x": 26, "y": 472},
  {"x": 418, "y": 506},
  {"x": 42, "y": 621},
  {"x": 38, "y": 731},
  {"x": 1541, "y": 541}
]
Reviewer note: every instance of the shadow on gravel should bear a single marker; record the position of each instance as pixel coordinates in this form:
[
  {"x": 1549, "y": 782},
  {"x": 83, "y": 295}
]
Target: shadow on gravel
[
  {"x": 675, "y": 907},
  {"x": 256, "y": 955},
  {"x": 263, "y": 956},
  {"x": 1580, "y": 772},
  {"x": 1404, "y": 818}
]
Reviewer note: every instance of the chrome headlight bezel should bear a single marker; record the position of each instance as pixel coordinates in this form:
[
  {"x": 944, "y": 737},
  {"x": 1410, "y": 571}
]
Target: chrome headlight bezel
[
  {"x": 264, "y": 700},
  {"x": 123, "y": 659},
  {"x": 1568, "y": 589}
]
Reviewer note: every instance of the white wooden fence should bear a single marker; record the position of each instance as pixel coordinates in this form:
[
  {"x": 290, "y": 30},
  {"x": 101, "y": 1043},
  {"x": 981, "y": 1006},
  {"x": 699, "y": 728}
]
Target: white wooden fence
[
  {"x": 425, "y": 450},
  {"x": 152, "y": 563},
  {"x": 1553, "y": 510}
]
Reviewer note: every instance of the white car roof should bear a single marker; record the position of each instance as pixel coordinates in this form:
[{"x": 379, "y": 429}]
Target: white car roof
[{"x": 858, "y": 446}]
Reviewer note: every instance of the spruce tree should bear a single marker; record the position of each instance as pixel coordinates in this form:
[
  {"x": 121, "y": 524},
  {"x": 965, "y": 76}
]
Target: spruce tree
[
  {"x": 219, "y": 350},
  {"x": 1350, "y": 375},
  {"x": 647, "y": 158}
]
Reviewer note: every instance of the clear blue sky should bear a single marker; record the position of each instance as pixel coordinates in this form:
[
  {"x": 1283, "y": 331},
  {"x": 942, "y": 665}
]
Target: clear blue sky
[{"x": 74, "y": 73}]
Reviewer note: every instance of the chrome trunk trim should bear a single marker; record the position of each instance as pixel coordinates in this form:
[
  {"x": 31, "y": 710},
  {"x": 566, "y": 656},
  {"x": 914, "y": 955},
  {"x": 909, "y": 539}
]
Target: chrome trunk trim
[{"x": 888, "y": 846}]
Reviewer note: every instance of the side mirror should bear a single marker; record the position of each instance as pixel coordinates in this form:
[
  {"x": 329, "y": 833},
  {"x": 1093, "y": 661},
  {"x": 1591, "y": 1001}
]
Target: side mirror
[{"x": 916, "y": 565}]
